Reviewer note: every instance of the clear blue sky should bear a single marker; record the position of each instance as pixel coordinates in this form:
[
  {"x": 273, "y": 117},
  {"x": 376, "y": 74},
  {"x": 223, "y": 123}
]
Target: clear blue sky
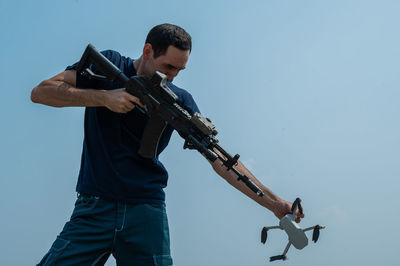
[{"x": 306, "y": 91}]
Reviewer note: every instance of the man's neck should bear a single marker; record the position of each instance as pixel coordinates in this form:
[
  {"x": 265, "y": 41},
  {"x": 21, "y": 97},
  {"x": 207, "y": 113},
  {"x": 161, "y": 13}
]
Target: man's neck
[{"x": 138, "y": 65}]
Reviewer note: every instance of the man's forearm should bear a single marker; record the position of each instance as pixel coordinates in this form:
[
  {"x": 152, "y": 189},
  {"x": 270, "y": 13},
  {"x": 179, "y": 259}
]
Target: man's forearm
[
  {"x": 61, "y": 91},
  {"x": 269, "y": 200},
  {"x": 61, "y": 94}
]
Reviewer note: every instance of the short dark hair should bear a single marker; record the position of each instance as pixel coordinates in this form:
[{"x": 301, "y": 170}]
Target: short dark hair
[{"x": 162, "y": 36}]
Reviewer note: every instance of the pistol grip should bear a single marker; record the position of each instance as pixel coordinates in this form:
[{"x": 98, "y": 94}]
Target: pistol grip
[{"x": 151, "y": 136}]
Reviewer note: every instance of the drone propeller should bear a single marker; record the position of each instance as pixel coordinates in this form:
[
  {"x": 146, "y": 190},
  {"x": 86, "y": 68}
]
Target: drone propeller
[
  {"x": 279, "y": 257},
  {"x": 297, "y": 204},
  {"x": 264, "y": 235},
  {"x": 315, "y": 234}
]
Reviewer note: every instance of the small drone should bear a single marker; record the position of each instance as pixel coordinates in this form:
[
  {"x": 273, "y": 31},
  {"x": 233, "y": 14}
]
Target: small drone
[{"x": 296, "y": 235}]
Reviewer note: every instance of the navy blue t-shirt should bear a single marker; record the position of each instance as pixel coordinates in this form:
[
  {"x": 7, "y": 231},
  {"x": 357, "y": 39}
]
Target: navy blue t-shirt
[{"x": 111, "y": 167}]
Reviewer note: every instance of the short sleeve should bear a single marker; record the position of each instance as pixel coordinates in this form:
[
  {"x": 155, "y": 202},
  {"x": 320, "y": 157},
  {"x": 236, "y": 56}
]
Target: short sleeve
[
  {"x": 82, "y": 81},
  {"x": 190, "y": 105},
  {"x": 88, "y": 82},
  {"x": 185, "y": 99}
]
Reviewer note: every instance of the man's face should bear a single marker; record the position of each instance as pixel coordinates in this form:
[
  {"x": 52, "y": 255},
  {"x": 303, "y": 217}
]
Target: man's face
[{"x": 170, "y": 63}]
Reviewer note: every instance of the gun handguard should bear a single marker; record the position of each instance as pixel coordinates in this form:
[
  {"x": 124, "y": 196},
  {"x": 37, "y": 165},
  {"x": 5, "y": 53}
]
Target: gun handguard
[{"x": 162, "y": 108}]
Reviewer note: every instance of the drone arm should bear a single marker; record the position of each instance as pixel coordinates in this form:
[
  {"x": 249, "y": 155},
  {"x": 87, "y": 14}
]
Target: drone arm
[
  {"x": 309, "y": 228},
  {"x": 272, "y": 227},
  {"x": 313, "y": 227}
]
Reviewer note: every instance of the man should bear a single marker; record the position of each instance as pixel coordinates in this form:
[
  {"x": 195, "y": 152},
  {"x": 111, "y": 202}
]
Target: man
[{"x": 120, "y": 208}]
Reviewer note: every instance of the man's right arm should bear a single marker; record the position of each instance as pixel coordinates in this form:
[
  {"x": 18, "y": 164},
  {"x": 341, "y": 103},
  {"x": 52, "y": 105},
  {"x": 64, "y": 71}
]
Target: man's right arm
[{"x": 61, "y": 91}]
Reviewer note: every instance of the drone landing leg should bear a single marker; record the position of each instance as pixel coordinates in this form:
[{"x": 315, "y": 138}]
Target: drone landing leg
[
  {"x": 286, "y": 249},
  {"x": 283, "y": 256}
]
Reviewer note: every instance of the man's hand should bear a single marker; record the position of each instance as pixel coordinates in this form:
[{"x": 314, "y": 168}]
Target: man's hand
[
  {"x": 61, "y": 91},
  {"x": 120, "y": 101},
  {"x": 284, "y": 207}
]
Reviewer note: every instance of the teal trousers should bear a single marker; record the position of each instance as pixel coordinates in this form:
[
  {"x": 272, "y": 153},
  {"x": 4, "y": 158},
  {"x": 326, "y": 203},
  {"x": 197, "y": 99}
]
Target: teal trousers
[{"x": 135, "y": 234}]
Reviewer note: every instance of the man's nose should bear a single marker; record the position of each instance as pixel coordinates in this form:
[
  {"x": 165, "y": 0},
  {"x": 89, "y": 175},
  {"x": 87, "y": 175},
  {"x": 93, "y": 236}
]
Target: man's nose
[{"x": 172, "y": 74}]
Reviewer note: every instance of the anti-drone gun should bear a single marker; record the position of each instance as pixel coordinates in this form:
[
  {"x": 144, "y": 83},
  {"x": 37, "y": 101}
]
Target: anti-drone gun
[{"x": 162, "y": 109}]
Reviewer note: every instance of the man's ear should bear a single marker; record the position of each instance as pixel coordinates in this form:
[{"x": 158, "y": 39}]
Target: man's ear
[{"x": 148, "y": 51}]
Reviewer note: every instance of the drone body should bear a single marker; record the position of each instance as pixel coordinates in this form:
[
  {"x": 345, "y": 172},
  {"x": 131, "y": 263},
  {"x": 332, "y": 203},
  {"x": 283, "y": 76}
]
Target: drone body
[{"x": 297, "y": 236}]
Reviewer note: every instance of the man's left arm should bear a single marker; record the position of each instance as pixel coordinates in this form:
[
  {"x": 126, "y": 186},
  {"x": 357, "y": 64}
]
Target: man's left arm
[{"x": 270, "y": 201}]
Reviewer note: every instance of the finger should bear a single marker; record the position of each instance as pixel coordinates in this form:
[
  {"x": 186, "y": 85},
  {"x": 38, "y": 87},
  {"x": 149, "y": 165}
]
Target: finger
[
  {"x": 298, "y": 220},
  {"x": 138, "y": 102},
  {"x": 123, "y": 108},
  {"x": 135, "y": 100},
  {"x": 129, "y": 106}
]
